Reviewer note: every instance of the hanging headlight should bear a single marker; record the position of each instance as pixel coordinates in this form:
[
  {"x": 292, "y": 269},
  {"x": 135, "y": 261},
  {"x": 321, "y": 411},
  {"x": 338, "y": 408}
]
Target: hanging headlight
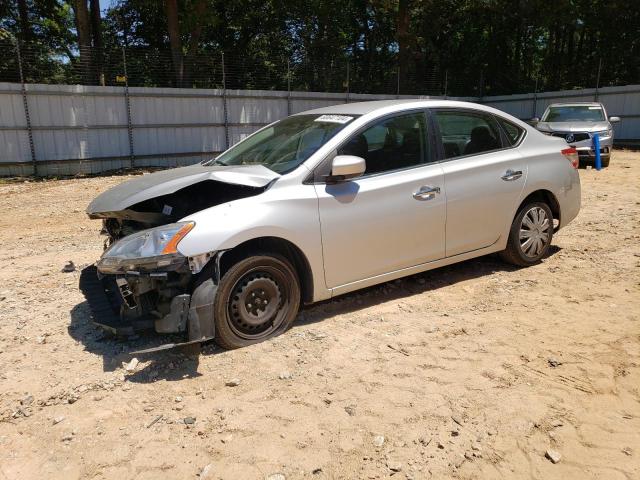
[{"x": 148, "y": 249}]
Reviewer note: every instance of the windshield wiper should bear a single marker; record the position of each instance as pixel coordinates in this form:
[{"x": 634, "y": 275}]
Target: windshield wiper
[{"x": 215, "y": 162}]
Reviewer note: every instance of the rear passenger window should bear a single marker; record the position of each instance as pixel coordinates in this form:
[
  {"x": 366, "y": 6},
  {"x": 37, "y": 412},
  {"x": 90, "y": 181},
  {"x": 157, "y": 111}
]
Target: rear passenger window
[
  {"x": 467, "y": 133},
  {"x": 514, "y": 132}
]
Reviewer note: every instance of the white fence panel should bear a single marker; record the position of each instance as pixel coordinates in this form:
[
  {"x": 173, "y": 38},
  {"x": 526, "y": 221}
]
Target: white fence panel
[
  {"x": 86, "y": 129},
  {"x": 14, "y": 138}
]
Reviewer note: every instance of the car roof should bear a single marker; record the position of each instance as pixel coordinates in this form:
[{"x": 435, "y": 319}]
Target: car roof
[{"x": 362, "y": 108}]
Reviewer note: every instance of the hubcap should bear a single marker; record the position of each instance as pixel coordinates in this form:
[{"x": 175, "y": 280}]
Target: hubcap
[
  {"x": 534, "y": 232},
  {"x": 254, "y": 305}
]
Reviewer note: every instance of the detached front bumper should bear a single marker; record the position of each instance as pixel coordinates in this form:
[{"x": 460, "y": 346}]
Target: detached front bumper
[{"x": 125, "y": 299}]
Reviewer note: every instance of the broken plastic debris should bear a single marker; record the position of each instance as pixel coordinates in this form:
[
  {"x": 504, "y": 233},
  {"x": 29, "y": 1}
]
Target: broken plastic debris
[{"x": 131, "y": 366}]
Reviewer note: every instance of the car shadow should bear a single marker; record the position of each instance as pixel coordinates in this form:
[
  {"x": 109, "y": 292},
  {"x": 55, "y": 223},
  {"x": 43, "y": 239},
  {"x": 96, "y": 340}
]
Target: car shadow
[
  {"x": 182, "y": 362},
  {"x": 409, "y": 286},
  {"x": 171, "y": 365}
]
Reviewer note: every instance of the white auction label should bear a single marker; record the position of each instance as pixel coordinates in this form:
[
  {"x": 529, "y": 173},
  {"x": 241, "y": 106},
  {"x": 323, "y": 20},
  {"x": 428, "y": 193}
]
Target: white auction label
[{"x": 334, "y": 118}]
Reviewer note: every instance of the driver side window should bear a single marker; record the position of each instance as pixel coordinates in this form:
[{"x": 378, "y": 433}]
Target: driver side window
[{"x": 391, "y": 144}]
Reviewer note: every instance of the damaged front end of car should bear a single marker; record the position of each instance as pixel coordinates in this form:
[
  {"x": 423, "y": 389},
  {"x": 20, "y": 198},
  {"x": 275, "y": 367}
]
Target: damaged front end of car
[{"x": 142, "y": 281}]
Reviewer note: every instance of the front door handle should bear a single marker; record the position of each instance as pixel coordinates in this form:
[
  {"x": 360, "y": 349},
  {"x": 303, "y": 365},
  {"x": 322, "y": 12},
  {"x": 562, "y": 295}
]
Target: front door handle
[
  {"x": 511, "y": 175},
  {"x": 426, "y": 192}
]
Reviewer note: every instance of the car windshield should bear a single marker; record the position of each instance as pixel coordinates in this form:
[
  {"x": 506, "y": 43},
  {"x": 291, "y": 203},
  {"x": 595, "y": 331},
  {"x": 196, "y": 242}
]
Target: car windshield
[
  {"x": 574, "y": 113},
  {"x": 286, "y": 144}
]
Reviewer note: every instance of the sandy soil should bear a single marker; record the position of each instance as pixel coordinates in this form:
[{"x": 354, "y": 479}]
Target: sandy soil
[{"x": 470, "y": 371}]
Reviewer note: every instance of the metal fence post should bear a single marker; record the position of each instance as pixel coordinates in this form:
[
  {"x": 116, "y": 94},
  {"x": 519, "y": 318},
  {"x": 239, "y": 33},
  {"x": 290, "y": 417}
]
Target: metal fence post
[
  {"x": 288, "y": 88},
  {"x": 347, "y": 82},
  {"x": 224, "y": 105},
  {"x": 446, "y": 81},
  {"x": 535, "y": 99},
  {"x": 595, "y": 97},
  {"x": 25, "y": 103},
  {"x": 127, "y": 99}
]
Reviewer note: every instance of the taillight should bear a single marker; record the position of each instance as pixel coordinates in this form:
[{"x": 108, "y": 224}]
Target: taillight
[{"x": 571, "y": 154}]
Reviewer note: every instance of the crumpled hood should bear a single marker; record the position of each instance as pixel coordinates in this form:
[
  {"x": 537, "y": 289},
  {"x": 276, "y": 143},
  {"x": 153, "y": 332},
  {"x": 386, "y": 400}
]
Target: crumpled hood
[
  {"x": 169, "y": 181},
  {"x": 573, "y": 126}
]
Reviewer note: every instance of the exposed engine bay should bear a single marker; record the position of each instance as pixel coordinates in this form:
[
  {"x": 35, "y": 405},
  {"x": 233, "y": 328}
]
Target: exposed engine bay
[{"x": 170, "y": 207}]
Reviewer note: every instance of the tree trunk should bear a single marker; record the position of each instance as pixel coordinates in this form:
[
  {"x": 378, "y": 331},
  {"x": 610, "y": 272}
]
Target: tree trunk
[
  {"x": 25, "y": 28},
  {"x": 402, "y": 37},
  {"x": 84, "y": 39},
  {"x": 96, "y": 33},
  {"x": 579, "y": 58},
  {"x": 194, "y": 40},
  {"x": 517, "y": 60},
  {"x": 171, "y": 8}
]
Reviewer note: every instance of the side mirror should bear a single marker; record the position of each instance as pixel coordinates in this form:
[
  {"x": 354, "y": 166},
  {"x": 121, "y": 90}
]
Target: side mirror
[
  {"x": 346, "y": 167},
  {"x": 534, "y": 120},
  {"x": 614, "y": 119}
]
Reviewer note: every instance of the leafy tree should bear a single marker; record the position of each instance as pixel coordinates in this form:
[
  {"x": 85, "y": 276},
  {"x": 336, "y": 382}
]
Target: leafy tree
[{"x": 476, "y": 47}]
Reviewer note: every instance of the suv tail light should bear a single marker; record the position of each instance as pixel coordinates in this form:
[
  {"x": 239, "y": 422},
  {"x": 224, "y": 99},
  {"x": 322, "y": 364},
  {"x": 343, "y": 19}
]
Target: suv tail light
[{"x": 571, "y": 154}]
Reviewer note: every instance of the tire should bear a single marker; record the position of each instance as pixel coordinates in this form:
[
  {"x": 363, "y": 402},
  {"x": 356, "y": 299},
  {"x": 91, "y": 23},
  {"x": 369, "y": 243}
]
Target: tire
[
  {"x": 257, "y": 298},
  {"x": 518, "y": 252},
  {"x": 605, "y": 161}
]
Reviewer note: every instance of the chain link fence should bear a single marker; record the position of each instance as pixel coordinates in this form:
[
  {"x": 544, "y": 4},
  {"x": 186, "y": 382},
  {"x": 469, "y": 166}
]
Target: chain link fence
[
  {"x": 138, "y": 66},
  {"x": 141, "y": 66},
  {"x": 200, "y": 104}
]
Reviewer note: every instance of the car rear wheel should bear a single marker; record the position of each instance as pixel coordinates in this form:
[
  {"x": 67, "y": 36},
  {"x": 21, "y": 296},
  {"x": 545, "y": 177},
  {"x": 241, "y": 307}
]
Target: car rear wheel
[
  {"x": 530, "y": 235},
  {"x": 257, "y": 298}
]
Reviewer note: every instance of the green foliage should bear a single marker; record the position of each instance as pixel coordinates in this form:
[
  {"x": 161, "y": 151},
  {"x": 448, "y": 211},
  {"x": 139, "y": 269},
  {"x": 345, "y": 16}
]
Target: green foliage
[
  {"x": 47, "y": 45},
  {"x": 481, "y": 47}
]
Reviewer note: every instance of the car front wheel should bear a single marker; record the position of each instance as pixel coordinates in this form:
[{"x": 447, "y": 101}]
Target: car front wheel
[
  {"x": 257, "y": 298},
  {"x": 530, "y": 235}
]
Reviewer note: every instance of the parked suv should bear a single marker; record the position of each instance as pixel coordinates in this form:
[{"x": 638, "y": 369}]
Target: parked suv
[
  {"x": 323, "y": 203},
  {"x": 577, "y": 123}
]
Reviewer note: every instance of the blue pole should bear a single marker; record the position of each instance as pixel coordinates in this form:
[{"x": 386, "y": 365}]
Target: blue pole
[{"x": 596, "y": 147}]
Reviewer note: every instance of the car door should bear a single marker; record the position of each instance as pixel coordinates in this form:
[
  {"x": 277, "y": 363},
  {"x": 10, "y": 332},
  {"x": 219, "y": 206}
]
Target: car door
[
  {"x": 393, "y": 217},
  {"x": 484, "y": 174}
]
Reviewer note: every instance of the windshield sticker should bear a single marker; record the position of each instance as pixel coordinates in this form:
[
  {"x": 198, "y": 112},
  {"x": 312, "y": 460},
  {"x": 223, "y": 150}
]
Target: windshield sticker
[
  {"x": 333, "y": 118},
  {"x": 594, "y": 108}
]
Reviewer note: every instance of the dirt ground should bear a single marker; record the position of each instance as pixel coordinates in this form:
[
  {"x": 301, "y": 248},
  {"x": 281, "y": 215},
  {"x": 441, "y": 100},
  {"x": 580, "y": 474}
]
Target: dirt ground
[{"x": 469, "y": 371}]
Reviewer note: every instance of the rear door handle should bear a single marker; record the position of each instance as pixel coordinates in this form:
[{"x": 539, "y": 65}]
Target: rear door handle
[
  {"x": 511, "y": 175},
  {"x": 426, "y": 192}
]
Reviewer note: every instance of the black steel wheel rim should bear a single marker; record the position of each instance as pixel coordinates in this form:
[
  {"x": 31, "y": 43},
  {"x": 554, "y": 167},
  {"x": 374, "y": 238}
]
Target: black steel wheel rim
[{"x": 258, "y": 303}]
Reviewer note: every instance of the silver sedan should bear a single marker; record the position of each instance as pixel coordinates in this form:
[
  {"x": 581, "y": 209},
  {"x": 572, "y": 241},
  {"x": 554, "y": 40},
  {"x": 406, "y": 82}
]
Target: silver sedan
[{"x": 323, "y": 203}]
